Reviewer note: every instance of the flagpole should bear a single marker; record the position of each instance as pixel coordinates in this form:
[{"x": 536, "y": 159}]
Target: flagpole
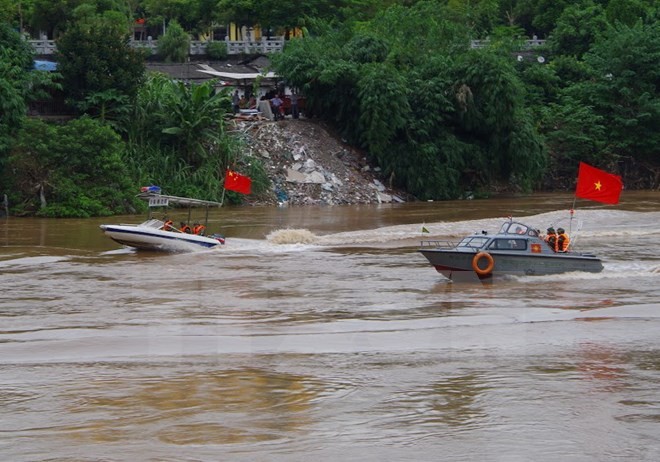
[{"x": 570, "y": 223}]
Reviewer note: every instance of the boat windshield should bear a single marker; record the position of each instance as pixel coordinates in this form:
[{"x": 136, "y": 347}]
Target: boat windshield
[
  {"x": 512, "y": 227},
  {"x": 475, "y": 242},
  {"x": 153, "y": 223}
]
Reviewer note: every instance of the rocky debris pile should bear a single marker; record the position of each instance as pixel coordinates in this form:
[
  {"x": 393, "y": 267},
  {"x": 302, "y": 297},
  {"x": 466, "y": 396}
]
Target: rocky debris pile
[{"x": 308, "y": 166}]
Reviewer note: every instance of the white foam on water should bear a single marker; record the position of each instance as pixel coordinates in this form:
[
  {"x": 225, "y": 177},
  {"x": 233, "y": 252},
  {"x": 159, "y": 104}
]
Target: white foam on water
[
  {"x": 31, "y": 261},
  {"x": 291, "y": 236}
]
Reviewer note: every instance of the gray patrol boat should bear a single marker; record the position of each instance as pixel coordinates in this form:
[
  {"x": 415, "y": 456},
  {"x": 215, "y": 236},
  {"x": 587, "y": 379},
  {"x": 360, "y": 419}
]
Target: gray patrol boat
[{"x": 517, "y": 249}]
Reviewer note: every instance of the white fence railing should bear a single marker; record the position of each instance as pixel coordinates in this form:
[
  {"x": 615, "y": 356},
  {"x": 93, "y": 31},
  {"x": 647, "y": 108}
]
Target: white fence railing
[
  {"x": 526, "y": 44},
  {"x": 272, "y": 45}
]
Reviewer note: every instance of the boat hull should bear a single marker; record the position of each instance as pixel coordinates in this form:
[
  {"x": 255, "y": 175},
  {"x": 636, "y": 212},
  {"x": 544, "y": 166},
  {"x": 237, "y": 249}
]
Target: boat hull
[
  {"x": 145, "y": 238},
  {"x": 458, "y": 264}
]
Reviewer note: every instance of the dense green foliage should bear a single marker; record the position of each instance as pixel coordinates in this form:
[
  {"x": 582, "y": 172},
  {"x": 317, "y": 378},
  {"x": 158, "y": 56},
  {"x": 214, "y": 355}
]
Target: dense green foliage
[
  {"x": 173, "y": 46},
  {"x": 443, "y": 120},
  {"x": 397, "y": 78},
  {"x": 15, "y": 64},
  {"x": 101, "y": 72},
  {"x": 177, "y": 139},
  {"x": 439, "y": 121},
  {"x": 19, "y": 85},
  {"x": 69, "y": 170}
]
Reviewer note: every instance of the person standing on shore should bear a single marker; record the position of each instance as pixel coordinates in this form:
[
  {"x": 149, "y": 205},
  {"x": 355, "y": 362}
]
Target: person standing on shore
[
  {"x": 235, "y": 101},
  {"x": 294, "y": 105},
  {"x": 276, "y": 104}
]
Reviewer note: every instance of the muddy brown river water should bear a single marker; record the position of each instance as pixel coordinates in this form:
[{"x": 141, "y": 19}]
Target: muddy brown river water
[{"x": 321, "y": 333}]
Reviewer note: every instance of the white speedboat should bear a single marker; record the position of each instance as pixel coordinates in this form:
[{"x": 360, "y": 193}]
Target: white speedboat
[{"x": 153, "y": 234}]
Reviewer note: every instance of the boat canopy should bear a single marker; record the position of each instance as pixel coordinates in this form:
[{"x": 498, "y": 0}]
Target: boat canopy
[{"x": 163, "y": 200}]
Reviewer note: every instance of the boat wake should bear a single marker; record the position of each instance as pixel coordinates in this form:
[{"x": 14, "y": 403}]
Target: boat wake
[
  {"x": 291, "y": 236},
  {"x": 31, "y": 261}
]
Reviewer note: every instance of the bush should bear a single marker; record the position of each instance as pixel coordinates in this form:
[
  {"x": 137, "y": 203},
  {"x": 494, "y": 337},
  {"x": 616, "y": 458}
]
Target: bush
[
  {"x": 217, "y": 50},
  {"x": 174, "y": 45}
]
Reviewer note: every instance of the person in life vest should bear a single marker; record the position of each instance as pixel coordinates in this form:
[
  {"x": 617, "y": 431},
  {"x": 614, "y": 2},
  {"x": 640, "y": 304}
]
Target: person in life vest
[
  {"x": 551, "y": 239},
  {"x": 184, "y": 228},
  {"x": 167, "y": 226},
  {"x": 563, "y": 241},
  {"x": 198, "y": 229}
]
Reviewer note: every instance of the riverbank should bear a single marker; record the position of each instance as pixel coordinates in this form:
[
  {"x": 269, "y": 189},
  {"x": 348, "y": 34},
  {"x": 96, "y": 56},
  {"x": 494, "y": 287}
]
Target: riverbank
[{"x": 308, "y": 164}]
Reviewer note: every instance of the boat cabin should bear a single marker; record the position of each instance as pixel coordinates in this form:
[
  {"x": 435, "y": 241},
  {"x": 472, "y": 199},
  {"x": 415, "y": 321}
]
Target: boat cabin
[{"x": 512, "y": 236}]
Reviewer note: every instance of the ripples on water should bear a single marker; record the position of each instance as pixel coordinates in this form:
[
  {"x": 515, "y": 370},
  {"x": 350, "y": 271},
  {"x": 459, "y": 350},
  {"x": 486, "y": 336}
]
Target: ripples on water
[{"x": 334, "y": 345}]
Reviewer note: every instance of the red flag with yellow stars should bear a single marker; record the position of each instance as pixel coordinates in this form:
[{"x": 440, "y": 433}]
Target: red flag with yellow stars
[
  {"x": 237, "y": 182},
  {"x": 598, "y": 185}
]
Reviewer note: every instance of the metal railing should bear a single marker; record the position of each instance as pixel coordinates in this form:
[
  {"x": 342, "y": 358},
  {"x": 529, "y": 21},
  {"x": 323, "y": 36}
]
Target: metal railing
[{"x": 438, "y": 244}]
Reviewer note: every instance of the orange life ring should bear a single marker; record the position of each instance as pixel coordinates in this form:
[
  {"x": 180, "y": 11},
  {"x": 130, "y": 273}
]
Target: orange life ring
[{"x": 489, "y": 267}]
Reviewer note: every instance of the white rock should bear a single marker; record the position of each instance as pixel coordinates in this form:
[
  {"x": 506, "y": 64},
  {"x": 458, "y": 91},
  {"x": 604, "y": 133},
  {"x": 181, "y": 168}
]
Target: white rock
[
  {"x": 379, "y": 186},
  {"x": 294, "y": 176},
  {"x": 316, "y": 178}
]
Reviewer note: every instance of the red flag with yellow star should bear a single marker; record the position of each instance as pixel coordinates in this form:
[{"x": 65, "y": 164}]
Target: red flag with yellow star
[
  {"x": 237, "y": 182},
  {"x": 598, "y": 185}
]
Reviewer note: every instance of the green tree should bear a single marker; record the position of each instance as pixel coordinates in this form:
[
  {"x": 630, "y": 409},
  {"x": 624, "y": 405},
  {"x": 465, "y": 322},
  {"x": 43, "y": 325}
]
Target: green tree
[
  {"x": 574, "y": 133},
  {"x": 625, "y": 89},
  {"x": 439, "y": 119},
  {"x": 275, "y": 13},
  {"x": 546, "y": 13},
  {"x": 493, "y": 115},
  {"x": 610, "y": 118},
  {"x": 194, "y": 120},
  {"x": 177, "y": 139},
  {"x": 15, "y": 12},
  {"x": 189, "y": 14},
  {"x": 242, "y": 12},
  {"x": 628, "y": 12},
  {"x": 174, "y": 45},
  {"x": 55, "y": 16},
  {"x": 577, "y": 29},
  {"x": 51, "y": 16},
  {"x": 479, "y": 16},
  {"x": 19, "y": 84},
  {"x": 94, "y": 57},
  {"x": 384, "y": 107},
  {"x": 15, "y": 64},
  {"x": 70, "y": 170}
]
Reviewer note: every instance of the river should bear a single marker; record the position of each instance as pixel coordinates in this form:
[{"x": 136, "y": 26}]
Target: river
[{"x": 320, "y": 333}]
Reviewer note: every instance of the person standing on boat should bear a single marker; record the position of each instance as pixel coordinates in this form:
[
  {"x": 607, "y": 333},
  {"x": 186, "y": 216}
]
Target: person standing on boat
[
  {"x": 551, "y": 238},
  {"x": 563, "y": 241}
]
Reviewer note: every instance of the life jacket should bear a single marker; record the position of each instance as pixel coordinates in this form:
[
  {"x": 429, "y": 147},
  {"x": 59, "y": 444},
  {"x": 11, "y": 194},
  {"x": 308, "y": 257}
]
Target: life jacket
[
  {"x": 199, "y": 229},
  {"x": 186, "y": 229},
  {"x": 562, "y": 243},
  {"x": 167, "y": 226},
  {"x": 551, "y": 239}
]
